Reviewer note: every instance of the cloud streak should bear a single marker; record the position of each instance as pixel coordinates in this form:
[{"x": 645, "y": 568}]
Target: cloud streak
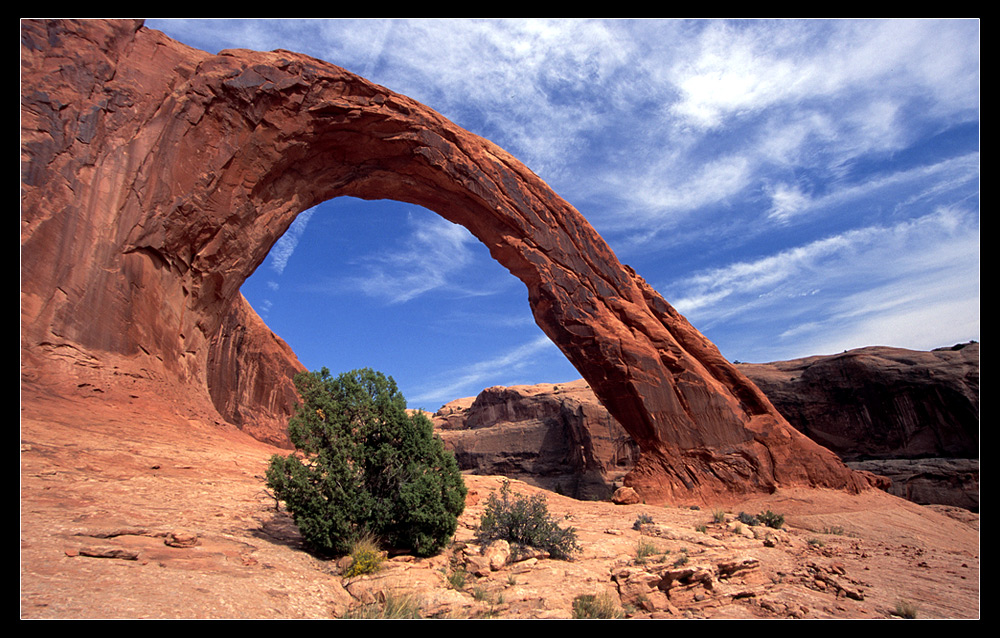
[
  {"x": 285, "y": 247},
  {"x": 468, "y": 379},
  {"x": 433, "y": 255},
  {"x": 907, "y": 278}
]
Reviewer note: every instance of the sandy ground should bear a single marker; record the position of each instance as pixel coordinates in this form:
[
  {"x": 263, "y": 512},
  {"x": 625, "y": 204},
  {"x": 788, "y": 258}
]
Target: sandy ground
[{"x": 112, "y": 496}]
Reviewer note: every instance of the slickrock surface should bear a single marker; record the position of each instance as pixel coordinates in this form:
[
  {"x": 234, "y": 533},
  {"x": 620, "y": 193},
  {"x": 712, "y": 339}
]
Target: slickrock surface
[
  {"x": 156, "y": 178},
  {"x": 129, "y": 515}
]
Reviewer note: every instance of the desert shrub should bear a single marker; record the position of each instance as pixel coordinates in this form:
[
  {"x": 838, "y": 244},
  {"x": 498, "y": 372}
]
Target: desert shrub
[
  {"x": 748, "y": 519},
  {"x": 642, "y": 519},
  {"x": 770, "y": 519},
  {"x": 644, "y": 549},
  {"x": 718, "y": 516},
  {"x": 366, "y": 467},
  {"x": 595, "y": 606},
  {"x": 524, "y": 522},
  {"x": 366, "y": 557},
  {"x": 906, "y": 609},
  {"x": 456, "y": 578},
  {"x": 480, "y": 593},
  {"x": 391, "y": 606}
]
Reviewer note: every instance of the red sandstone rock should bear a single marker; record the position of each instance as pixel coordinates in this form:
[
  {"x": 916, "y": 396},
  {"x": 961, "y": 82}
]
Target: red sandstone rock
[
  {"x": 250, "y": 373},
  {"x": 156, "y": 178},
  {"x": 879, "y": 402},
  {"x": 557, "y": 436},
  {"x": 874, "y": 402}
]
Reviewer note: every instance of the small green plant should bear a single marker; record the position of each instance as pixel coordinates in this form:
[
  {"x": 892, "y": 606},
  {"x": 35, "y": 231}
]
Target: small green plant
[
  {"x": 479, "y": 593},
  {"x": 366, "y": 557},
  {"x": 391, "y": 606},
  {"x": 524, "y": 522},
  {"x": 681, "y": 560},
  {"x": 511, "y": 579},
  {"x": 816, "y": 542},
  {"x": 737, "y": 527},
  {"x": 748, "y": 519},
  {"x": 718, "y": 516},
  {"x": 906, "y": 609},
  {"x": 701, "y": 528},
  {"x": 642, "y": 519},
  {"x": 770, "y": 519},
  {"x": 643, "y": 550},
  {"x": 695, "y": 507},
  {"x": 456, "y": 578},
  {"x": 836, "y": 530},
  {"x": 596, "y": 606}
]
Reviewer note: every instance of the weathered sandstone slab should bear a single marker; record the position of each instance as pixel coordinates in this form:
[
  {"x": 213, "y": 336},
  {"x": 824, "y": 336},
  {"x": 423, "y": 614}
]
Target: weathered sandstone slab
[{"x": 156, "y": 178}]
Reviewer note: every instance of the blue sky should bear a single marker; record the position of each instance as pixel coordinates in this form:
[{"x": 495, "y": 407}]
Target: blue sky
[{"x": 793, "y": 187}]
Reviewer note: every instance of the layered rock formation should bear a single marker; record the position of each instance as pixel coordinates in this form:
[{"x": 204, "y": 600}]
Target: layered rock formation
[
  {"x": 250, "y": 372},
  {"x": 156, "y": 178},
  {"x": 555, "y": 436},
  {"x": 879, "y": 402}
]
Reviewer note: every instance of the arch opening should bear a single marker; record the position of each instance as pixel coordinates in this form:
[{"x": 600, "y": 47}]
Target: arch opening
[{"x": 394, "y": 286}]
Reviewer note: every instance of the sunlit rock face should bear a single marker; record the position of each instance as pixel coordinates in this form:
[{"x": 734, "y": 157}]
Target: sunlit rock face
[
  {"x": 156, "y": 178},
  {"x": 557, "y": 436}
]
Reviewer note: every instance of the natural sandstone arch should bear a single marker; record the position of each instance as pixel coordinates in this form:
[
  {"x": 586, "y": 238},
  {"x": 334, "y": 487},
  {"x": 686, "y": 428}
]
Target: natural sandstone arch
[{"x": 157, "y": 178}]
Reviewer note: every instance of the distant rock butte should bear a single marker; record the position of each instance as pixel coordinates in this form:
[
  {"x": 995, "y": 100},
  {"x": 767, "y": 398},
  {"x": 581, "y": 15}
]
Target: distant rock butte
[
  {"x": 874, "y": 403},
  {"x": 156, "y": 178},
  {"x": 556, "y": 436},
  {"x": 879, "y": 402}
]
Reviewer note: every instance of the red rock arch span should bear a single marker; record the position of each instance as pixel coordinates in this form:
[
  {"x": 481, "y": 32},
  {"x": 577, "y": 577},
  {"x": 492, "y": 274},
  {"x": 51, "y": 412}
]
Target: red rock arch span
[{"x": 157, "y": 178}]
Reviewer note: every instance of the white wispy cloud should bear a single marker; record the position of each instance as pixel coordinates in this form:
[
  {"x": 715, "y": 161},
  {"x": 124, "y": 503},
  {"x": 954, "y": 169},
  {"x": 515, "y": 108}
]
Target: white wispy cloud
[
  {"x": 285, "y": 247},
  {"x": 469, "y": 378},
  {"x": 433, "y": 254},
  {"x": 789, "y": 201},
  {"x": 916, "y": 281}
]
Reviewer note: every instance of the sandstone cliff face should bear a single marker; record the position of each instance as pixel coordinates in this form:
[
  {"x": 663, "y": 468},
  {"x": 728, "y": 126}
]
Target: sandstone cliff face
[
  {"x": 880, "y": 403},
  {"x": 250, "y": 373},
  {"x": 156, "y": 178},
  {"x": 555, "y": 436}
]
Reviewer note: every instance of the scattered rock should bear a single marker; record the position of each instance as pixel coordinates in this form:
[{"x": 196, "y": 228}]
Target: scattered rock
[
  {"x": 109, "y": 552},
  {"x": 625, "y": 496},
  {"x": 498, "y": 554},
  {"x": 181, "y": 538}
]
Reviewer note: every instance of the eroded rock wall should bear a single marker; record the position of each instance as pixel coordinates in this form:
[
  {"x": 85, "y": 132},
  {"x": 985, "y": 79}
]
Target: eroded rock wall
[
  {"x": 879, "y": 402},
  {"x": 916, "y": 412},
  {"x": 555, "y": 436}
]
